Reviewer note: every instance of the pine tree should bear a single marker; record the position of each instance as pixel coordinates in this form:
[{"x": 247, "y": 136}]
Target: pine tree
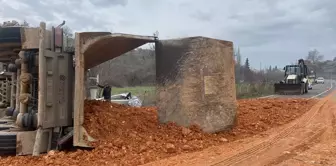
[
  {"x": 247, "y": 64},
  {"x": 248, "y": 74},
  {"x": 238, "y": 57}
]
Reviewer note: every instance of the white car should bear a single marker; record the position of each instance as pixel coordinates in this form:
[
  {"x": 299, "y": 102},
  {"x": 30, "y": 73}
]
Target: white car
[
  {"x": 320, "y": 80},
  {"x": 125, "y": 99}
]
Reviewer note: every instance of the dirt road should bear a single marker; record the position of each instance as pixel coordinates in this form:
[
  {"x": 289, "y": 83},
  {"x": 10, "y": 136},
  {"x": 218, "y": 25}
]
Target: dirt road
[
  {"x": 308, "y": 140},
  {"x": 322, "y": 149}
]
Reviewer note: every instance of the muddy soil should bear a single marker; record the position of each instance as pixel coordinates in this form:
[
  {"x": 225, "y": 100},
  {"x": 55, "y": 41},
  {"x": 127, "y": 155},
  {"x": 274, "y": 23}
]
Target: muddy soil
[{"x": 133, "y": 136}]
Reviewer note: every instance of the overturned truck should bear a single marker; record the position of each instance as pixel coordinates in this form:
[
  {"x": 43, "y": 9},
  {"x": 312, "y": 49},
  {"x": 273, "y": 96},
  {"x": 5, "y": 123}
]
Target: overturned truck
[{"x": 45, "y": 110}]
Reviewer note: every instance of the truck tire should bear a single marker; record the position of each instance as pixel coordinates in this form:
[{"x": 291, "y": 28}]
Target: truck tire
[{"x": 7, "y": 144}]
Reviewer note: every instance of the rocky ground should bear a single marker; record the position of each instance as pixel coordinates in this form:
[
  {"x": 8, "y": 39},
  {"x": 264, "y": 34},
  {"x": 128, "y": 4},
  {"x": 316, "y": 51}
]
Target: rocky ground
[{"x": 133, "y": 136}]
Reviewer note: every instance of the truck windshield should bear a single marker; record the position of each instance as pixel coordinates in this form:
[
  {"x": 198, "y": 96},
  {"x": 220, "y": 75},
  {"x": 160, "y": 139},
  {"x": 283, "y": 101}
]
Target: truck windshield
[{"x": 292, "y": 70}]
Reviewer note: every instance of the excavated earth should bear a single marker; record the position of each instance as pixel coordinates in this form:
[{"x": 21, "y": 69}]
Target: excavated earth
[{"x": 133, "y": 136}]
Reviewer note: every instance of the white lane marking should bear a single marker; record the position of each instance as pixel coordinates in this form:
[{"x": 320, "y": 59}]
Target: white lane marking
[
  {"x": 266, "y": 96},
  {"x": 331, "y": 86}
]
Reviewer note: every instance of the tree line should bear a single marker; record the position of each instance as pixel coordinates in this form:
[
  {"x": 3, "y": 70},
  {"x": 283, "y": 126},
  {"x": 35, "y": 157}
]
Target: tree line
[
  {"x": 14, "y": 23},
  {"x": 317, "y": 63},
  {"x": 244, "y": 73}
]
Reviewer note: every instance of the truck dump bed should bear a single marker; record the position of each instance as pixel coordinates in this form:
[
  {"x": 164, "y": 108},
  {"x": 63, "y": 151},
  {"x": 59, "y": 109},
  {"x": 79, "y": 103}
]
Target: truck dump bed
[{"x": 92, "y": 49}]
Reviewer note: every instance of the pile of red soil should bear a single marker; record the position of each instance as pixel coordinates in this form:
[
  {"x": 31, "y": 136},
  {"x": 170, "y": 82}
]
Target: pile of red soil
[{"x": 133, "y": 136}]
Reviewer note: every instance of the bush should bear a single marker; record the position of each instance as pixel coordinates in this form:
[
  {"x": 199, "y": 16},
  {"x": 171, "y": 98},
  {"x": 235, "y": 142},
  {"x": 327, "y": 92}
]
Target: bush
[{"x": 246, "y": 90}]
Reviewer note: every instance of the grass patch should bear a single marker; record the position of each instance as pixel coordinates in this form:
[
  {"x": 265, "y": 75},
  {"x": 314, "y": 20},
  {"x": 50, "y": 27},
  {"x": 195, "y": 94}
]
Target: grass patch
[
  {"x": 243, "y": 90},
  {"x": 145, "y": 93},
  {"x": 134, "y": 90}
]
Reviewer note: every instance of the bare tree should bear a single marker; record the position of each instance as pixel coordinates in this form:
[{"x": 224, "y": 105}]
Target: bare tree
[
  {"x": 25, "y": 23},
  {"x": 67, "y": 32},
  {"x": 68, "y": 37},
  {"x": 314, "y": 56}
]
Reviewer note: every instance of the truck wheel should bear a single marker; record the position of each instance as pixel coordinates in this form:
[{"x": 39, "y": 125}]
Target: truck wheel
[{"x": 7, "y": 144}]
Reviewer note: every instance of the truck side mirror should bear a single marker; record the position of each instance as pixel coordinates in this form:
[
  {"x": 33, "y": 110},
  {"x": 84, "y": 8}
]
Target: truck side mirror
[{"x": 284, "y": 68}]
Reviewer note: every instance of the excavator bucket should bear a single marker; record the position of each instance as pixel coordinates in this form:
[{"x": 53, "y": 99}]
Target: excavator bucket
[{"x": 282, "y": 88}]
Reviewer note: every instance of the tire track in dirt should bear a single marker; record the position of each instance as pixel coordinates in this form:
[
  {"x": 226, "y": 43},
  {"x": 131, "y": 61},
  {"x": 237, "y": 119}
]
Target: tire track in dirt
[
  {"x": 303, "y": 154},
  {"x": 300, "y": 123},
  {"x": 305, "y": 145},
  {"x": 333, "y": 125}
]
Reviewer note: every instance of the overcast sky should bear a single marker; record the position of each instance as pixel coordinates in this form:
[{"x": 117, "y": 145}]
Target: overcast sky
[{"x": 270, "y": 32}]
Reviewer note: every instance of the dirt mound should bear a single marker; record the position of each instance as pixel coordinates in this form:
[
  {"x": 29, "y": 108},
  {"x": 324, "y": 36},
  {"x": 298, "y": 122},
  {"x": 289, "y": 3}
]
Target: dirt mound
[
  {"x": 258, "y": 115},
  {"x": 132, "y": 136}
]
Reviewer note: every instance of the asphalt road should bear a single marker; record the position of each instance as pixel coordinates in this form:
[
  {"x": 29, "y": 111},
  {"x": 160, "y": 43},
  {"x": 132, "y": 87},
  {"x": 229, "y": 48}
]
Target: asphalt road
[{"x": 318, "y": 91}]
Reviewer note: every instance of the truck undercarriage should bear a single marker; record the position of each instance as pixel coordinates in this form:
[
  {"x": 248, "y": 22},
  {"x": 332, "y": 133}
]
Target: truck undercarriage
[{"x": 38, "y": 89}]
